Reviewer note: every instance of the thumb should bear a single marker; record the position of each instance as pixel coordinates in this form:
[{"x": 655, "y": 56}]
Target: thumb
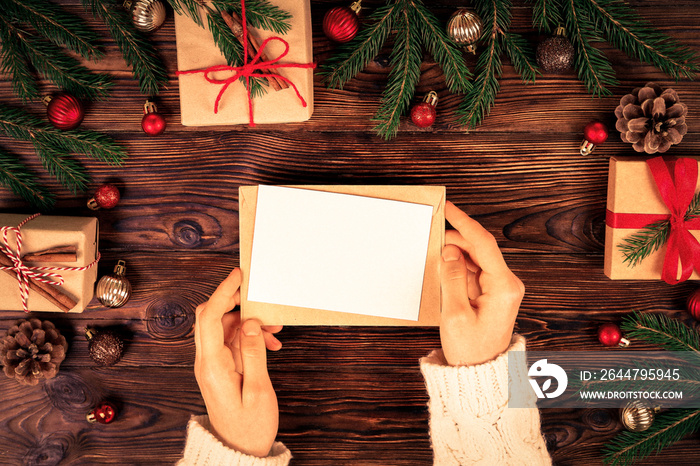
[
  {"x": 453, "y": 281},
  {"x": 253, "y": 357}
]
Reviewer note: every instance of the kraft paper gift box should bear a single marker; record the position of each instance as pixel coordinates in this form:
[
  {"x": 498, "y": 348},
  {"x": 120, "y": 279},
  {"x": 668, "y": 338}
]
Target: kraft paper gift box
[
  {"x": 45, "y": 232},
  {"x": 632, "y": 189},
  {"x": 430, "y": 300},
  {"x": 196, "y": 50}
]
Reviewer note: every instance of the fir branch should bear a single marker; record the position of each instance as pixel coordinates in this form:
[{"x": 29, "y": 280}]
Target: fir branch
[
  {"x": 629, "y": 32},
  {"x": 546, "y": 15},
  {"x": 58, "y": 67},
  {"x": 23, "y": 182},
  {"x": 521, "y": 55},
  {"x": 670, "y": 334},
  {"x": 667, "y": 429},
  {"x": 15, "y": 63},
  {"x": 594, "y": 69},
  {"x": 138, "y": 52},
  {"x": 405, "y": 60},
  {"x": 260, "y": 14},
  {"x": 55, "y": 24},
  {"x": 352, "y": 57},
  {"x": 443, "y": 50},
  {"x": 190, "y": 8},
  {"x": 62, "y": 167}
]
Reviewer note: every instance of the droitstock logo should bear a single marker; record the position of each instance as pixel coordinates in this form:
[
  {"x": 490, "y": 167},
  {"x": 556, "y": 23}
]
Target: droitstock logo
[{"x": 541, "y": 369}]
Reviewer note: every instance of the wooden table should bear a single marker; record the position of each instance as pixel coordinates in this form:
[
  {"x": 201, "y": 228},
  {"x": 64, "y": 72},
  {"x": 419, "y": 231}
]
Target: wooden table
[{"x": 347, "y": 395}]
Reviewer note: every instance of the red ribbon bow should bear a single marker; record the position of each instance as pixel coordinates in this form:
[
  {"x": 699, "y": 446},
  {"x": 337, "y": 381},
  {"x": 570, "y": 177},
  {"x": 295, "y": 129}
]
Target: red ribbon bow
[
  {"x": 25, "y": 273},
  {"x": 248, "y": 69},
  {"x": 676, "y": 180}
]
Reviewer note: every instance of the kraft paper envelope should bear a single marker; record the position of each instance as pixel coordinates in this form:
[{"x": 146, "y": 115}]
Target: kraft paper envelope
[{"x": 430, "y": 300}]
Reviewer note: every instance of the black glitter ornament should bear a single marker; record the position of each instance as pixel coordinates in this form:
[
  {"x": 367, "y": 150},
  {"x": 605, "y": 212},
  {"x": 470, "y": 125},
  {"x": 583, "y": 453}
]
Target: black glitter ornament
[
  {"x": 555, "y": 54},
  {"x": 105, "y": 348}
]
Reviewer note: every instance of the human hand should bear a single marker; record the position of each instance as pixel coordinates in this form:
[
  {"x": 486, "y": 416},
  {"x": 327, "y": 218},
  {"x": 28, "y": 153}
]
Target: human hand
[
  {"x": 231, "y": 370},
  {"x": 480, "y": 295}
]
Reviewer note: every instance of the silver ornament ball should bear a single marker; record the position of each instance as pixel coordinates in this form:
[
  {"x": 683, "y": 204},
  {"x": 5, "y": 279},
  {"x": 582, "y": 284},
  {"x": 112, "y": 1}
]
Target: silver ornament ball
[
  {"x": 637, "y": 416},
  {"x": 147, "y": 15},
  {"x": 114, "y": 290},
  {"x": 464, "y": 27}
]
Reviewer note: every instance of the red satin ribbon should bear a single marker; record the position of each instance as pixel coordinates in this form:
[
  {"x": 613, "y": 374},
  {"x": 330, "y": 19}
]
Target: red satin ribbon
[
  {"x": 248, "y": 69},
  {"x": 676, "y": 180}
]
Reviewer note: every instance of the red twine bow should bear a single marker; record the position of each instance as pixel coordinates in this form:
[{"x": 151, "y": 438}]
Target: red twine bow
[
  {"x": 676, "y": 181},
  {"x": 25, "y": 273},
  {"x": 248, "y": 69}
]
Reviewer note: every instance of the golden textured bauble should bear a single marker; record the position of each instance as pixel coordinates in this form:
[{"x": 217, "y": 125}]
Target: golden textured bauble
[
  {"x": 464, "y": 27},
  {"x": 114, "y": 290},
  {"x": 637, "y": 416},
  {"x": 147, "y": 15}
]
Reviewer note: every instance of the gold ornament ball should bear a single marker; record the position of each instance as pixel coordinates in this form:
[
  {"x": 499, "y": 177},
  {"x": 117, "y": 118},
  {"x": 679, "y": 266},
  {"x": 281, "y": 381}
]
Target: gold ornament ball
[
  {"x": 147, "y": 15},
  {"x": 114, "y": 290},
  {"x": 464, "y": 27},
  {"x": 637, "y": 416}
]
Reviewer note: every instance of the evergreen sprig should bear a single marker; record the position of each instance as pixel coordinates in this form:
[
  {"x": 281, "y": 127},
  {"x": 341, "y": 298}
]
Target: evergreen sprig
[
  {"x": 669, "y": 334},
  {"x": 23, "y": 182},
  {"x": 638, "y": 246},
  {"x": 137, "y": 51}
]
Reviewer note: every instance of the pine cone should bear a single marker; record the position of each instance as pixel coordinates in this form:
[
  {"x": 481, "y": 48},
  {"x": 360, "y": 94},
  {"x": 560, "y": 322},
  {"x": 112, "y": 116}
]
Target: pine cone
[
  {"x": 32, "y": 350},
  {"x": 651, "y": 119}
]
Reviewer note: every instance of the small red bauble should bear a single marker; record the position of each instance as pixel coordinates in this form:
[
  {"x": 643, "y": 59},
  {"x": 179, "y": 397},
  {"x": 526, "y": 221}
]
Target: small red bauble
[
  {"x": 106, "y": 197},
  {"x": 64, "y": 111},
  {"x": 424, "y": 113},
  {"x": 153, "y": 123},
  {"x": 693, "y": 304},
  {"x": 594, "y": 134},
  {"x": 104, "y": 413},
  {"x": 340, "y": 24},
  {"x": 611, "y": 335}
]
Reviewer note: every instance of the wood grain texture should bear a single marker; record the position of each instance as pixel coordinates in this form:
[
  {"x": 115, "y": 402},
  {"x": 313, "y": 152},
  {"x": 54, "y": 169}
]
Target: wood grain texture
[{"x": 353, "y": 394}]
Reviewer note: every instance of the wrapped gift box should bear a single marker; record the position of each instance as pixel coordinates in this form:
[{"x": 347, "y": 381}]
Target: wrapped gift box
[
  {"x": 196, "y": 50},
  {"x": 46, "y": 232},
  {"x": 632, "y": 189}
]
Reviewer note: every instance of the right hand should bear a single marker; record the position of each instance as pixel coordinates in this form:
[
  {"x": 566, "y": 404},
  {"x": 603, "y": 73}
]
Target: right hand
[{"x": 480, "y": 295}]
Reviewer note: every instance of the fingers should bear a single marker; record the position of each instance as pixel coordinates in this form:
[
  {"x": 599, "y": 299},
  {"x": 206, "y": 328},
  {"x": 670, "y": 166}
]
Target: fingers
[
  {"x": 453, "y": 282},
  {"x": 209, "y": 330},
  {"x": 475, "y": 240},
  {"x": 253, "y": 356}
]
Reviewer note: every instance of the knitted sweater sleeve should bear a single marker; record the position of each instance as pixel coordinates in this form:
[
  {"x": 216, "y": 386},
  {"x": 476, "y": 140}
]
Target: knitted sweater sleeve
[
  {"x": 204, "y": 449},
  {"x": 470, "y": 422}
]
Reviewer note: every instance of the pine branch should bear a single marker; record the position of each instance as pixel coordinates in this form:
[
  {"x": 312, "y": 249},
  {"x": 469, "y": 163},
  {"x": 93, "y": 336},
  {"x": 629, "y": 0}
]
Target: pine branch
[
  {"x": 55, "y": 24},
  {"x": 58, "y": 67},
  {"x": 546, "y": 15},
  {"x": 670, "y": 334},
  {"x": 352, "y": 57},
  {"x": 16, "y": 65},
  {"x": 443, "y": 50},
  {"x": 522, "y": 56},
  {"x": 405, "y": 60},
  {"x": 638, "y": 246},
  {"x": 629, "y": 32},
  {"x": 260, "y": 14},
  {"x": 190, "y": 8},
  {"x": 668, "y": 428},
  {"x": 138, "y": 52},
  {"x": 23, "y": 182},
  {"x": 594, "y": 69},
  {"x": 66, "y": 170}
]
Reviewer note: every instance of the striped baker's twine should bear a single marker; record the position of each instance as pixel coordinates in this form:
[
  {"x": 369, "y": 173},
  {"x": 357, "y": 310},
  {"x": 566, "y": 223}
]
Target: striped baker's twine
[{"x": 25, "y": 273}]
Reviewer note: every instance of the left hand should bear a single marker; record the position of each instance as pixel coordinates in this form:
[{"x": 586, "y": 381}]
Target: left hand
[{"x": 231, "y": 370}]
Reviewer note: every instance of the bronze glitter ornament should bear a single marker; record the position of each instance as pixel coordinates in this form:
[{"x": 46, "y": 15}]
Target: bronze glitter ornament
[
  {"x": 32, "y": 350},
  {"x": 114, "y": 290},
  {"x": 464, "y": 27},
  {"x": 637, "y": 416},
  {"x": 555, "y": 54},
  {"x": 105, "y": 347},
  {"x": 146, "y": 15}
]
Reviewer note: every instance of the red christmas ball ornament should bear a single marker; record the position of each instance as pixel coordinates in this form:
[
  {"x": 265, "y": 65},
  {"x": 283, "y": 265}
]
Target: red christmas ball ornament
[
  {"x": 340, "y": 24},
  {"x": 153, "y": 123},
  {"x": 104, "y": 413},
  {"x": 693, "y": 304},
  {"x": 594, "y": 134},
  {"x": 423, "y": 114},
  {"x": 611, "y": 335},
  {"x": 64, "y": 111},
  {"x": 106, "y": 197}
]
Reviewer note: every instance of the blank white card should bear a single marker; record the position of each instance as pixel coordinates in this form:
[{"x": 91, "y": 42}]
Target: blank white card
[{"x": 339, "y": 252}]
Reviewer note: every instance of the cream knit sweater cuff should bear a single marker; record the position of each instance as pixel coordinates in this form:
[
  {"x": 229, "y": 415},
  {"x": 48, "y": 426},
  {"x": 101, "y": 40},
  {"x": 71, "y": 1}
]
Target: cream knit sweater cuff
[{"x": 203, "y": 448}]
